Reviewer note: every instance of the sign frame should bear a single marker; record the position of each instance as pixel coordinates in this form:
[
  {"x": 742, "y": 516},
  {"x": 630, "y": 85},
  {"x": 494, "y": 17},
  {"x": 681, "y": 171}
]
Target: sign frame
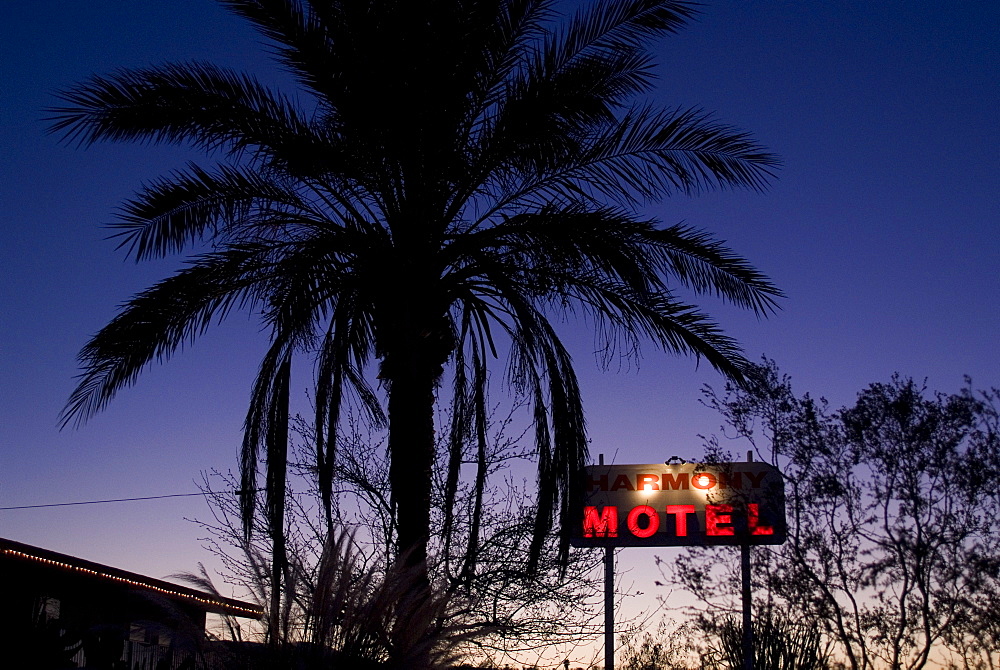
[{"x": 676, "y": 505}]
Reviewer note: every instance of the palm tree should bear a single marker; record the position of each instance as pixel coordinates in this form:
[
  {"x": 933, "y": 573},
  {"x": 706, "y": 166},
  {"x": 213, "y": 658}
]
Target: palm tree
[{"x": 420, "y": 213}]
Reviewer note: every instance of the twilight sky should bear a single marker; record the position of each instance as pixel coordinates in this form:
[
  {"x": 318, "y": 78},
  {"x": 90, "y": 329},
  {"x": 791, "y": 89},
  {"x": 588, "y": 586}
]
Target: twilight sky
[{"x": 881, "y": 229}]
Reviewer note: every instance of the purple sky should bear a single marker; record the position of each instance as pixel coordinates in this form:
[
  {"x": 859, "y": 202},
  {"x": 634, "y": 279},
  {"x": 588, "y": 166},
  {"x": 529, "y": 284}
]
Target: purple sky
[{"x": 882, "y": 230}]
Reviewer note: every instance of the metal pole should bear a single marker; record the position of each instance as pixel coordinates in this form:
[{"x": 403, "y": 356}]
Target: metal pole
[
  {"x": 747, "y": 618},
  {"x": 609, "y": 608},
  {"x": 609, "y": 601}
]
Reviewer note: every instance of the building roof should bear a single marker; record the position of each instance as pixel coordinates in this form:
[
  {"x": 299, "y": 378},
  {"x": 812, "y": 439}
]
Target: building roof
[{"x": 209, "y": 602}]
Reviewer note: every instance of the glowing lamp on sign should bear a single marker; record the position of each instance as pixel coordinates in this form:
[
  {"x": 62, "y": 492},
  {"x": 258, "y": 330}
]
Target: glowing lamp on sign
[
  {"x": 704, "y": 481},
  {"x": 647, "y": 482}
]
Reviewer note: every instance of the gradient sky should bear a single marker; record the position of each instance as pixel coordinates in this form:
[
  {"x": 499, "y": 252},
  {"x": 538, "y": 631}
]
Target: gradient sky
[{"x": 882, "y": 230}]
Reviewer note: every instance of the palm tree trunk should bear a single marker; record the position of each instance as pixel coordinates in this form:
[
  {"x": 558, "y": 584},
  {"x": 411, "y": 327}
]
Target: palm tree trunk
[
  {"x": 417, "y": 347},
  {"x": 411, "y": 459}
]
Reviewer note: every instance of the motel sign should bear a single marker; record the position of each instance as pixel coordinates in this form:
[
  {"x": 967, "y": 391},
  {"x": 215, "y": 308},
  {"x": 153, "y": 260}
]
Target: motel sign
[{"x": 658, "y": 505}]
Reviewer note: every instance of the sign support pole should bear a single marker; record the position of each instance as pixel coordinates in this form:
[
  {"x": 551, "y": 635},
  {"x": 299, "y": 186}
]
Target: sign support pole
[
  {"x": 609, "y": 608},
  {"x": 609, "y": 601},
  {"x": 747, "y": 618}
]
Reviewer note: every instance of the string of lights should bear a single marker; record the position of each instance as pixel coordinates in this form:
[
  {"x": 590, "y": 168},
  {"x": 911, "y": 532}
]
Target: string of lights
[{"x": 231, "y": 605}]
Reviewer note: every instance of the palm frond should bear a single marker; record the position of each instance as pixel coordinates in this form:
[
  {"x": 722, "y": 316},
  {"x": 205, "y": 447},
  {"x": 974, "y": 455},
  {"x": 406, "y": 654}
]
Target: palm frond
[
  {"x": 159, "y": 321},
  {"x": 613, "y": 25},
  {"x": 263, "y": 428},
  {"x": 208, "y": 106},
  {"x": 609, "y": 32},
  {"x": 650, "y": 154},
  {"x": 706, "y": 265},
  {"x": 541, "y": 363},
  {"x": 172, "y": 212}
]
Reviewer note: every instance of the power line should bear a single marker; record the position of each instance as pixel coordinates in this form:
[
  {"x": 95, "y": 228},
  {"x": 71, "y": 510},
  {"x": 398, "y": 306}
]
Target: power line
[{"x": 115, "y": 500}]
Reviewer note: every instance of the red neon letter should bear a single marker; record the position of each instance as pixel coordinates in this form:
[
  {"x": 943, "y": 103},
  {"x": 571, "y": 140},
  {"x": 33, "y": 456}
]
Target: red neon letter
[
  {"x": 604, "y": 524},
  {"x": 680, "y": 513},
  {"x": 715, "y": 515},
  {"x": 753, "y": 521},
  {"x": 652, "y": 525}
]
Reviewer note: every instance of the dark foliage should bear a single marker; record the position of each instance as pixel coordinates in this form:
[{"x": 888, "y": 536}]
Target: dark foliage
[{"x": 891, "y": 509}]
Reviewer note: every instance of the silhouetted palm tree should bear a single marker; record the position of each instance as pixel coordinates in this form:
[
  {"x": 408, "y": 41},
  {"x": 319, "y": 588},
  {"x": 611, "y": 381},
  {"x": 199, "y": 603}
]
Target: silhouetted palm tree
[{"x": 450, "y": 175}]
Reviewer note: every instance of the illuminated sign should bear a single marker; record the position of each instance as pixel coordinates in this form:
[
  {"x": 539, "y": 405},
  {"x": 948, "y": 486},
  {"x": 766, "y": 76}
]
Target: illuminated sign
[{"x": 676, "y": 505}]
